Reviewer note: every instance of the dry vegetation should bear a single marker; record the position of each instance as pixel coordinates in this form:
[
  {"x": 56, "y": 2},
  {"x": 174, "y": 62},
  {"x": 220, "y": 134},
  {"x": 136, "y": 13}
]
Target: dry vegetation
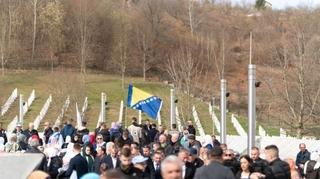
[{"x": 190, "y": 44}]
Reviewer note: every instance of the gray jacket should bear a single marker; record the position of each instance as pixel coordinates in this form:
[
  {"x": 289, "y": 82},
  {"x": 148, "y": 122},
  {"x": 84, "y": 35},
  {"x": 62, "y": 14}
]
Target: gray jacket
[{"x": 214, "y": 170}]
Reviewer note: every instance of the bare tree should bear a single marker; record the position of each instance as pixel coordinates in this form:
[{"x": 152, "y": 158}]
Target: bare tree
[
  {"x": 3, "y": 31},
  {"x": 51, "y": 18},
  {"x": 34, "y": 8},
  {"x": 301, "y": 85},
  {"x": 3, "y": 34},
  {"x": 185, "y": 71}
]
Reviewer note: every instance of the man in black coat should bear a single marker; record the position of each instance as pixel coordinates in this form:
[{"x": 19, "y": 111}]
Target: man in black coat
[
  {"x": 30, "y": 131},
  {"x": 215, "y": 170},
  {"x": 126, "y": 167},
  {"x": 260, "y": 165},
  {"x": 154, "y": 166},
  {"x": 146, "y": 152},
  {"x": 175, "y": 144},
  {"x": 191, "y": 129},
  {"x": 279, "y": 168},
  {"x": 188, "y": 170},
  {"x": 47, "y": 132},
  {"x": 194, "y": 159},
  {"x": 112, "y": 160},
  {"x": 100, "y": 158},
  {"x": 153, "y": 132},
  {"x": 230, "y": 161},
  {"x": 77, "y": 163}
]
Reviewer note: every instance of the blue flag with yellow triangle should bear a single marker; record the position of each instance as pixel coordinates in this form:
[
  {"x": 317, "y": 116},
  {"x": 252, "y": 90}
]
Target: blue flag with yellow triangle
[{"x": 141, "y": 100}]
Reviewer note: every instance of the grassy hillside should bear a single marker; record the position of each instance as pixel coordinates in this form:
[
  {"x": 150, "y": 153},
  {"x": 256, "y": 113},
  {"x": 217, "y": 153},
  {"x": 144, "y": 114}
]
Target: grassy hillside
[{"x": 63, "y": 84}]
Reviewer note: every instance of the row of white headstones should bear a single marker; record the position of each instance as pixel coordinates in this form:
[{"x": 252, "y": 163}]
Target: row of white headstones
[
  {"x": 25, "y": 105},
  {"x": 14, "y": 95}
]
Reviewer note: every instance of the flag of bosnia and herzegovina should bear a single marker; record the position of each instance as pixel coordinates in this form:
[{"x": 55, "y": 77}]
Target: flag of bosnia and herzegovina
[{"x": 141, "y": 100}]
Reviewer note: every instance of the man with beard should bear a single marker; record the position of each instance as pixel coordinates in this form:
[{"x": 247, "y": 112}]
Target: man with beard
[
  {"x": 126, "y": 166},
  {"x": 230, "y": 161}
]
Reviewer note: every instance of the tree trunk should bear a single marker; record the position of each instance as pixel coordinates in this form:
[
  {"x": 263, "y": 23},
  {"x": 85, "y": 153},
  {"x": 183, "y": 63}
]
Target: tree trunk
[
  {"x": 299, "y": 133},
  {"x": 35, "y": 2},
  {"x": 51, "y": 57},
  {"x": 83, "y": 29},
  {"x": 9, "y": 30},
  {"x": 2, "y": 43},
  {"x": 190, "y": 16}
]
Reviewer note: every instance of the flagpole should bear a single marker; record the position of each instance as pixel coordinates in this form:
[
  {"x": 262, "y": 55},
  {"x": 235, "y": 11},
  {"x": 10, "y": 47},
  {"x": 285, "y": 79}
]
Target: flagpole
[
  {"x": 251, "y": 101},
  {"x": 159, "y": 116},
  {"x": 223, "y": 105},
  {"x": 172, "y": 109}
]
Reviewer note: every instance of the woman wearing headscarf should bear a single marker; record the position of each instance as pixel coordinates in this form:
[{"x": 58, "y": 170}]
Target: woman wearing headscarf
[{"x": 87, "y": 152}]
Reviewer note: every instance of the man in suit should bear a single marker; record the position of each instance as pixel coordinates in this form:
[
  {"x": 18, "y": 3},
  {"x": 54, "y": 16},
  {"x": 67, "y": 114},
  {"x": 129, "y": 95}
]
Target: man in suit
[
  {"x": 112, "y": 159},
  {"x": 154, "y": 166},
  {"x": 146, "y": 152},
  {"x": 77, "y": 163},
  {"x": 100, "y": 158},
  {"x": 215, "y": 170},
  {"x": 188, "y": 170}
]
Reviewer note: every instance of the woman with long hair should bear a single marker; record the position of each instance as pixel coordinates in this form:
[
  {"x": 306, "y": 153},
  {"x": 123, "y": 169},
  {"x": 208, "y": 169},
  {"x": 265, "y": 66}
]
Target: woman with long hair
[{"x": 245, "y": 167}]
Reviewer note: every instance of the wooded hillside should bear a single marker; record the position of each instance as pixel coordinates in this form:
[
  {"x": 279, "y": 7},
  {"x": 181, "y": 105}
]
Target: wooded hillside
[{"x": 189, "y": 44}]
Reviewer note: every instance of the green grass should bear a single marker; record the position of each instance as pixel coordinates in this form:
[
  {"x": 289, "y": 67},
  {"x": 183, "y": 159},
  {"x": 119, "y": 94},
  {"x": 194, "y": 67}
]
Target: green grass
[{"x": 63, "y": 84}]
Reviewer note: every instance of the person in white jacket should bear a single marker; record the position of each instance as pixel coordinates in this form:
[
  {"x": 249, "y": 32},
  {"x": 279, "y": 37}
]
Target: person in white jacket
[{"x": 135, "y": 130}]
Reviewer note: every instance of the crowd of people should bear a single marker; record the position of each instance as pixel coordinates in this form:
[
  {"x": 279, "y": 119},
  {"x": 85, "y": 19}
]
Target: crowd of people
[{"x": 146, "y": 151}]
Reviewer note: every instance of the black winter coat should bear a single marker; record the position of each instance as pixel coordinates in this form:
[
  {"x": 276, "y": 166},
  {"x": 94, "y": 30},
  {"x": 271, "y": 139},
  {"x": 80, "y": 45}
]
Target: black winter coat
[{"x": 280, "y": 169}]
